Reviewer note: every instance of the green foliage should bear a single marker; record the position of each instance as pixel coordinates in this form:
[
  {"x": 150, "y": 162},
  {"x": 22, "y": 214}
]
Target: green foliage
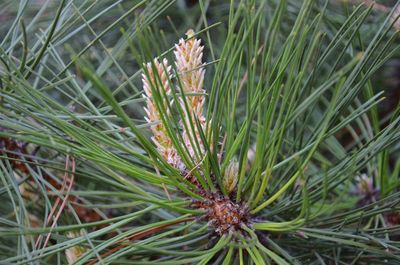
[{"x": 294, "y": 102}]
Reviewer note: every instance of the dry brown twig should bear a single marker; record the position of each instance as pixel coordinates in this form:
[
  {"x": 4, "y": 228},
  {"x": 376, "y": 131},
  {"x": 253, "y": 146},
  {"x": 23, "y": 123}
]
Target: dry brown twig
[{"x": 63, "y": 201}]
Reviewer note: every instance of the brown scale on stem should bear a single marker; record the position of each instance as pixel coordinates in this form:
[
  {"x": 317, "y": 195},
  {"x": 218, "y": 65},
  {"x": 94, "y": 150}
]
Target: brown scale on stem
[{"x": 224, "y": 215}]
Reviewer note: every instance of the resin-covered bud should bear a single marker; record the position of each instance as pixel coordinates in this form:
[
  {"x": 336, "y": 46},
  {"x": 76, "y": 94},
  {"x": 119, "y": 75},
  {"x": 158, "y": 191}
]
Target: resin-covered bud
[{"x": 231, "y": 176}]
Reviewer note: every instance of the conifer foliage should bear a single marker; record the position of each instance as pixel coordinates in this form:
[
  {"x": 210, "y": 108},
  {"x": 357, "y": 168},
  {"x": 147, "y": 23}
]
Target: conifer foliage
[{"x": 215, "y": 132}]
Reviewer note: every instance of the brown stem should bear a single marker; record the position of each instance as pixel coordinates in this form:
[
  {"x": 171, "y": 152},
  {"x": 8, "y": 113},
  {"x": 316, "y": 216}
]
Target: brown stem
[{"x": 137, "y": 236}]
